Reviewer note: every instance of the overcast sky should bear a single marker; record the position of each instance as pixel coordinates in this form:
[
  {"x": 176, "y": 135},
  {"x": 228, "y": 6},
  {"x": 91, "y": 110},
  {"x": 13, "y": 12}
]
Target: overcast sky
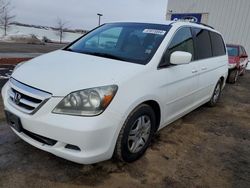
[{"x": 82, "y": 13}]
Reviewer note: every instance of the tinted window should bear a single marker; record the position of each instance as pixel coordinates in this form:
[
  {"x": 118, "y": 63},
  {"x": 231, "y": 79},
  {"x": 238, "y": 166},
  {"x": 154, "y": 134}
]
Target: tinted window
[
  {"x": 130, "y": 42},
  {"x": 203, "y": 44},
  {"x": 182, "y": 41},
  {"x": 218, "y": 46},
  {"x": 244, "y": 51},
  {"x": 232, "y": 51},
  {"x": 241, "y": 51}
]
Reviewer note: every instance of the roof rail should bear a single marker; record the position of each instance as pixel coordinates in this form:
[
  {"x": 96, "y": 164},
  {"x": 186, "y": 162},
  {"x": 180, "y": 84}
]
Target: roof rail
[
  {"x": 175, "y": 21},
  {"x": 203, "y": 24}
]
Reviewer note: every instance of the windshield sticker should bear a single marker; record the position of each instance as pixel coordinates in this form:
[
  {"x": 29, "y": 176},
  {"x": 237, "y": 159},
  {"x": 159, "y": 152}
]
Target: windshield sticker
[{"x": 154, "y": 31}]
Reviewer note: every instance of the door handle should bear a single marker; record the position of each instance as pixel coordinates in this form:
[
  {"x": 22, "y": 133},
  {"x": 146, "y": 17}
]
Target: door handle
[
  {"x": 194, "y": 71},
  {"x": 204, "y": 68}
]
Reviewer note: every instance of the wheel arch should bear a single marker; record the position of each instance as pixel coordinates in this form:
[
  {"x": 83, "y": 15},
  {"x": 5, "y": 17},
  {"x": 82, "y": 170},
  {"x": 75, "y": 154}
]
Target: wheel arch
[{"x": 157, "y": 110}]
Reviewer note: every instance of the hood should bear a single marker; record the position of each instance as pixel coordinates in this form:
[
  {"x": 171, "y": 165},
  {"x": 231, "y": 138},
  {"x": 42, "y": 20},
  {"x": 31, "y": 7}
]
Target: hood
[
  {"x": 62, "y": 72},
  {"x": 233, "y": 59}
]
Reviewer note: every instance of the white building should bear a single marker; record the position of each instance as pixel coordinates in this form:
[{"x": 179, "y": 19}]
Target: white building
[{"x": 230, "y": 17}]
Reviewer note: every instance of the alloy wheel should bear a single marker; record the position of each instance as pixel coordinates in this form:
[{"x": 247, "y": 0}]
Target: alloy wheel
[{"x": 139, "y": 134}]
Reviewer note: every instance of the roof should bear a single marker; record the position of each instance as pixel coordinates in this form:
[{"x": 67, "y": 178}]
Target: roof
[{"x": 178, "y": 23}]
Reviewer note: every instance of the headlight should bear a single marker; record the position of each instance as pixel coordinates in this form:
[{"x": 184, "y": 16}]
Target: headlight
[{"x": 87, "y": 102}]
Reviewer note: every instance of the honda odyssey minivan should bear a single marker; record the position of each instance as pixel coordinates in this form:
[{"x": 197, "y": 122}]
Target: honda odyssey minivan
[{"x": 108, "y": 92}]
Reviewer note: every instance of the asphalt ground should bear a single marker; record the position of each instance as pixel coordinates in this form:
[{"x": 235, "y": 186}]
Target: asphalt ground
[
  {"x": 209, "y": 147},
  {"x": 22, "y": 48}
]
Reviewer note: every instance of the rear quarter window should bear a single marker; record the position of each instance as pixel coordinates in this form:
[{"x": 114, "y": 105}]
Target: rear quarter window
[{"x": 218, "y": 46}]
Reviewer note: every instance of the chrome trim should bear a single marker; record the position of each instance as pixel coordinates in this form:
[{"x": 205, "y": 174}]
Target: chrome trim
[
  {"x": 28, "y": 91},
  {"x": 29, "y": 103},
  {"x": 20, "y": 108},
  {"x": 11, "y": 93}
]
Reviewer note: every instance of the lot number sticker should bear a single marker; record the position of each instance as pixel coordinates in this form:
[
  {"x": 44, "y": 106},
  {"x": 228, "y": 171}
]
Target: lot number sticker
[{"x": 154, "y": 31}]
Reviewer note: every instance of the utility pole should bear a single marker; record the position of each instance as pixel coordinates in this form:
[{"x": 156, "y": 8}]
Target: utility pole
[{"x": 99, "y": 16}]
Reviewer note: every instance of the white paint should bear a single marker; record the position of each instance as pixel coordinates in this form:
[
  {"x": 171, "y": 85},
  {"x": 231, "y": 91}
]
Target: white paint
[
  {"x": 178, "y": 58},
  {"x": 177, "y": 89}
]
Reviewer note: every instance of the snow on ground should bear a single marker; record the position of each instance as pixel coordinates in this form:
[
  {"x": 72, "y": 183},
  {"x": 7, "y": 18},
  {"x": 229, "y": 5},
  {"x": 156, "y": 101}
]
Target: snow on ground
[{"x": 40, "y": 33}]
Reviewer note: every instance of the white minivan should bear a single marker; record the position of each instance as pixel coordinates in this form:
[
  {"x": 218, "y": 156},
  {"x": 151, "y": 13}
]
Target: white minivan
[{"x": 107, "y": 93}]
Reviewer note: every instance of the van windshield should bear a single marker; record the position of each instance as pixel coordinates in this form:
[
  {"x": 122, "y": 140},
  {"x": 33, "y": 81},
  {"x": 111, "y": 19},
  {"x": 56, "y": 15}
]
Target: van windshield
[
  {"x": 130, "y": 42},
  {"x": 232, "y": 51}
]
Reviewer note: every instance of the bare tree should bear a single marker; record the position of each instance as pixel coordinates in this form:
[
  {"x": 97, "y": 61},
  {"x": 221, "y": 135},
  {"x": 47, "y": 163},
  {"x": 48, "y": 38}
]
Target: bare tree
[
  {"x": 61, "y": 27},
  {"x": 1, "y": 6},
  {"x": 6, "y": 17}
]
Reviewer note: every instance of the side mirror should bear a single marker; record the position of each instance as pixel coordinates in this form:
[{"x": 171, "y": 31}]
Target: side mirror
[{"x": 179, "y": 58}]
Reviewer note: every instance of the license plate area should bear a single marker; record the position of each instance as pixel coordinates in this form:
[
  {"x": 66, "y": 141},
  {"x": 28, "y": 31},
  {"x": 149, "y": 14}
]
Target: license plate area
[{"x": 13, "y": 121}]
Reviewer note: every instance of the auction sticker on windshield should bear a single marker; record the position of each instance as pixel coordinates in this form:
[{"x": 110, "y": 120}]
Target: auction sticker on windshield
[{"x": 154, "y": 31}]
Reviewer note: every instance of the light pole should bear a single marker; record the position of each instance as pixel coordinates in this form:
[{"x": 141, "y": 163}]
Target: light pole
[{"x": 99, "y": 15}]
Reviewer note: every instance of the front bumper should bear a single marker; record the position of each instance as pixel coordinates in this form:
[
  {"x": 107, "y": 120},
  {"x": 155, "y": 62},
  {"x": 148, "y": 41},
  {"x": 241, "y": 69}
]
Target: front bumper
[{"x": 95, "y": 136}]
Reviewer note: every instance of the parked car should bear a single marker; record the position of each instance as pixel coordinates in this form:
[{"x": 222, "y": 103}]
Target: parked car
[
  {"x": 238, "y": 61},
  {"x": 107, "y": 93}
]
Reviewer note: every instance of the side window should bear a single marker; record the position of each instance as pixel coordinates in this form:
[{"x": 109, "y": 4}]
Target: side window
[
  {"x": 203, "y": 43},
  {"x": 241, "y": 51},
  {"x": 182, "y": 41},
  {"x": 218, "y": 46},
  {"x": 244, "y": 51}
]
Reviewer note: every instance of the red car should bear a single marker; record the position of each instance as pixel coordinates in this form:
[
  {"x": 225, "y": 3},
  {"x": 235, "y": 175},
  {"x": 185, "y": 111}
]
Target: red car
[{"x": 238, "y": 60}]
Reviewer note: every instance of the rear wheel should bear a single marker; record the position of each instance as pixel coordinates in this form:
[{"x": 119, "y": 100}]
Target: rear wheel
[
  {"x": 216, "y": 94},
  {"x": 233, "y": 76},
  {"x": 243, "y": 71},
  {"x": 136, "y": 134}
]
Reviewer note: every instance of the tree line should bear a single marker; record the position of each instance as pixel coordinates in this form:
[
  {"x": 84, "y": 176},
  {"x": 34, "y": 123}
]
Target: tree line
[{"x": 7, "y": 18}]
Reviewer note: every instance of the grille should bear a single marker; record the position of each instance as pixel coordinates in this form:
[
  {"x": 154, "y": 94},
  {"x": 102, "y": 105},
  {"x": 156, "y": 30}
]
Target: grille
[
  {"x": 25, "y": 98},
  {"x": 40, "y": 138}
]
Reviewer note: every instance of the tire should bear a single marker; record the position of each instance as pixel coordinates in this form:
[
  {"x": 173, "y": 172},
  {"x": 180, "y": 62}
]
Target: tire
[
  {"x": 136, "y": 134},
  {"x": 216, "y": 94},
  {"x": 243, "y": 71},
  {"x": 233, "y": 76}
]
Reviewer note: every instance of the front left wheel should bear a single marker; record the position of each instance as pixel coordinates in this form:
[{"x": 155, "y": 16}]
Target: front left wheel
[{"x": 136, "y": 134}]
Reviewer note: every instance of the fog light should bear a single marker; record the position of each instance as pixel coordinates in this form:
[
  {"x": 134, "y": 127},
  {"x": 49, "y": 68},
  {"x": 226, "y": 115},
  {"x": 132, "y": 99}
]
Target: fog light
[{"x": 72, "y": 147}]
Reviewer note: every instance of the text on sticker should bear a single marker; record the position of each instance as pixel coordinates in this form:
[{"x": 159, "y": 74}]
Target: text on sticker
[{"x": 154, "y": 31}]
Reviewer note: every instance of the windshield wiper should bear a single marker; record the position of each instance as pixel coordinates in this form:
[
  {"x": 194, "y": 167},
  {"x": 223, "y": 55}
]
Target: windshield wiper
[
  {"x": 104, "y": 55},
  {"x": 69, "y": 49},
  {"x": 99, "y": 54}
]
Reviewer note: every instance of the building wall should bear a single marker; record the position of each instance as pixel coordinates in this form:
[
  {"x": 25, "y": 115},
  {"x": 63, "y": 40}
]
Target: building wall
[{"x": 230, "y": 17}]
